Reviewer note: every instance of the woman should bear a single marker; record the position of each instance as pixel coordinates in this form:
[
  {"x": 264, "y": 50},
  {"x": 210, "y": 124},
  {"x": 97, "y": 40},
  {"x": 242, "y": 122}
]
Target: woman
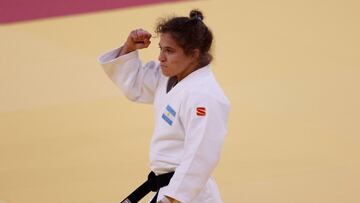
[{"x": 191, "y": 108}]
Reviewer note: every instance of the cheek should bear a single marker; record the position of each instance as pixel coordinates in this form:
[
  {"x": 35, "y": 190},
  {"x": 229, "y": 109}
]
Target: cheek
[
  {"x": 175, "y": 64},
  {"x": 171, "y": 59},
  {"x": 176, "y": 60}
]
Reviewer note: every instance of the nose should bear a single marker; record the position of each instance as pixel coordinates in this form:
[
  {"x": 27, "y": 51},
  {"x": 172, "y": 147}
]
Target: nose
[{"x": 162, "y": 57}]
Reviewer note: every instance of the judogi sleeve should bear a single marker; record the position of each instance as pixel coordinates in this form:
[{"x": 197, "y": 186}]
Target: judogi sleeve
[
  {"x": 137, "y": 81},
  {"x": 205, "y": 126}
]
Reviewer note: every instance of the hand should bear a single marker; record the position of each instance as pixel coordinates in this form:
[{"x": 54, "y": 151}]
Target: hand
[{"x": 137, "y": 39}]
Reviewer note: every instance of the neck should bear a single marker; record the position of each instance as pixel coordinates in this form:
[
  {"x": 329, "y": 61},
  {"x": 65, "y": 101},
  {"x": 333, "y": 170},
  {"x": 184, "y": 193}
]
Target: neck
[{"x": 186, "y": 72}]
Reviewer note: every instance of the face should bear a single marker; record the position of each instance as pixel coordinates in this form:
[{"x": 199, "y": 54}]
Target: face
[{"x": 173, "y": 60}]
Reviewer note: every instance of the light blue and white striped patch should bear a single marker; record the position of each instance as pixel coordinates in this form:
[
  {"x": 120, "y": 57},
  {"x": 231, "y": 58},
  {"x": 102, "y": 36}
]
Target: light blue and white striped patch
[{"x": 169, "y": 115}]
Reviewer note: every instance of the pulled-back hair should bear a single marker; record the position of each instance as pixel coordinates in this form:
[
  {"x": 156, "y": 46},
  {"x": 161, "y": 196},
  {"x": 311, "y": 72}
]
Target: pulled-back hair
[{"x": 190, "y": 33}]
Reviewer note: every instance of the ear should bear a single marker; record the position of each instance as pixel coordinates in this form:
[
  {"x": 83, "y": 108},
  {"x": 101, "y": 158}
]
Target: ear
[{"x": 195, "y": 53}]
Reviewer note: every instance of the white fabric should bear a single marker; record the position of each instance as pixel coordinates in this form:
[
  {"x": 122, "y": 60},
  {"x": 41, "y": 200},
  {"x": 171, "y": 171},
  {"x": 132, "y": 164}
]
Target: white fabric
[
  {"x": 164, "y": 200},
  {"x": 183, "y": 141}
]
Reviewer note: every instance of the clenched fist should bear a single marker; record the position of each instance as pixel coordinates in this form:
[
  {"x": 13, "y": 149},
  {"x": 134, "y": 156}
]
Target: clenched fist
[{"x": 137, "y": 39}]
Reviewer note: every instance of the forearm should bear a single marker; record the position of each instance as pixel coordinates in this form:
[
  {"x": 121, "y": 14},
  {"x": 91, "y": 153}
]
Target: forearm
[{"x": 125, "y": 49}]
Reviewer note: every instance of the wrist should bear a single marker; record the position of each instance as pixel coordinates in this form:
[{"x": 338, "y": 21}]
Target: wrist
[{"x": 126, "y": 49}]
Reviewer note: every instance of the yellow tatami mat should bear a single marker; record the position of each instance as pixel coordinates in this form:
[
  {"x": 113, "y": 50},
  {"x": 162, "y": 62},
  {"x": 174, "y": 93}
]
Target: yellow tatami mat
[{"x": 291, "y": 70}]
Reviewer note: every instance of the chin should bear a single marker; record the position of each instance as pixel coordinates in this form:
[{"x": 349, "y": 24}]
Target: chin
[{"x": 165, "y": 72}]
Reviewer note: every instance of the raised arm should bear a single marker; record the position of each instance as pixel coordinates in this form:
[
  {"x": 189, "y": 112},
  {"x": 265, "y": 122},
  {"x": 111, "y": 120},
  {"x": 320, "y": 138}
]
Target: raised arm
[{"x": 124, "y": 68}]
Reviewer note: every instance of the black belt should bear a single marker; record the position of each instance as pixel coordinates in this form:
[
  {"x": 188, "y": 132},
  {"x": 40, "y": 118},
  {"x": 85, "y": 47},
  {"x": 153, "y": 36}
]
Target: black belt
[{"x": 153, "y": 183}]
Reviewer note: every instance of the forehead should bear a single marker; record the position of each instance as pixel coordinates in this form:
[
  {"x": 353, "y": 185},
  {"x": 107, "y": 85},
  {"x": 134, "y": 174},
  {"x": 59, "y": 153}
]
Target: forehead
[{"x": 166, "y": 40}]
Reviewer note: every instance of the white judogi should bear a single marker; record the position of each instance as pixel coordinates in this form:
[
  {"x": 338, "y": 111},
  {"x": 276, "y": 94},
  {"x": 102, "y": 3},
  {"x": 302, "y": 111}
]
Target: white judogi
[{"x": 191, "y": 123}]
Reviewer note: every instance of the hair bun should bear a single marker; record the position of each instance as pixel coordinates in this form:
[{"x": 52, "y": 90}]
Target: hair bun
[{"x": 196, "y": 14}]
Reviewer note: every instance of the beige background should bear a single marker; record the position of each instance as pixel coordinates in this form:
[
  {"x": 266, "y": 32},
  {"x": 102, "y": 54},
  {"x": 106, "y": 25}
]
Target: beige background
[{"x": 290, "y": 68}]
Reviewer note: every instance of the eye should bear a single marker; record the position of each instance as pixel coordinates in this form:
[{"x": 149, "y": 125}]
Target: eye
[
  {"x": 169, "y": 51},
  {"x": 166, "y": 49}
]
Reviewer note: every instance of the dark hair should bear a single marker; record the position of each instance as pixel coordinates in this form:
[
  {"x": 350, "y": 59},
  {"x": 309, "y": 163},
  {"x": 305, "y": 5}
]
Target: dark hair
[{"x": 190, "y": 33}]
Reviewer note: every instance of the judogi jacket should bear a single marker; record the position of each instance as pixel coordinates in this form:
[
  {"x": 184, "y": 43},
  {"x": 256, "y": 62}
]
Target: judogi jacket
[{"x": 191, "y": 123}]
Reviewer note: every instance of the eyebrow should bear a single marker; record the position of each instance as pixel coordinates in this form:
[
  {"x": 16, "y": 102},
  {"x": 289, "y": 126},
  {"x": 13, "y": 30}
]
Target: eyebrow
[{"x": 166, "y": 47}]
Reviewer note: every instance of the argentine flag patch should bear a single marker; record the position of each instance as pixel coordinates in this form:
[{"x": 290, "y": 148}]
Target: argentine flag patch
[{"x": 169, "y": 115}]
